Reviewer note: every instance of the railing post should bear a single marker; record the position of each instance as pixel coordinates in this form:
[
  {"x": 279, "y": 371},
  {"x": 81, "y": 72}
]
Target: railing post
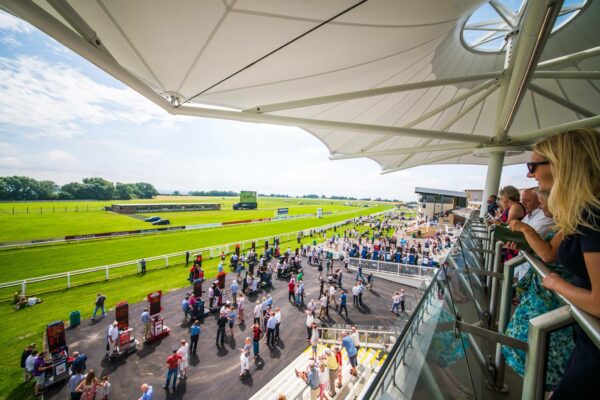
[
  {"x": 68, "y": 280},
  {"x": 23, "y": 287},
  {"x": 378, "y": 262},
  {"x": 106, "y": 269},
  {"x": 167, "y": 262},
  {"x": 535, "y": 363}
]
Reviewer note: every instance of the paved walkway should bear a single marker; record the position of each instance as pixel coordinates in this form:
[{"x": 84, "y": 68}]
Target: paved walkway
[{"x": 213, "y": 373}]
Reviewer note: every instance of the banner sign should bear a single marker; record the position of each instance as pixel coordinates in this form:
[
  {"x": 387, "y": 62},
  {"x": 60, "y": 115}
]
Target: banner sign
[{"x": 283, "y": 211}]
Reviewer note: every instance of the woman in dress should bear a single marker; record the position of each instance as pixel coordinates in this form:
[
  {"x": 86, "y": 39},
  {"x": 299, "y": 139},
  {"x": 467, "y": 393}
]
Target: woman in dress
[
  {"x": 568, "y": 166},
  {"x": 183, "y": 351},
  {"x": 534, "y": 300},
  {"x": 88, "y": 386}
]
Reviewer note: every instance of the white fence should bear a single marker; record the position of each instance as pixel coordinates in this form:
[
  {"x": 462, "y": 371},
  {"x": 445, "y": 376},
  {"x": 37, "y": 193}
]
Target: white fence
[
  {"x": 212, "y": 252},
  {"x": 425, "y": 273}
]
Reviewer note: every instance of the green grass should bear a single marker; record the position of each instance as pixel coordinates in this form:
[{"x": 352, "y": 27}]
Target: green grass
[
  {"x": 25, "y": 263},
  {"x": 26, "y": 326},
  {"x": 46, "y": 220}
]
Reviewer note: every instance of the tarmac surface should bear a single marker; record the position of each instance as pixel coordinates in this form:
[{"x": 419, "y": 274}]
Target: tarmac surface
[{"x": 214, "y": 372}]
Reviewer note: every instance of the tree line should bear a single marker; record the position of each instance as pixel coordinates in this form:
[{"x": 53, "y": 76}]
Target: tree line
[{"x": 25, "y": 188}]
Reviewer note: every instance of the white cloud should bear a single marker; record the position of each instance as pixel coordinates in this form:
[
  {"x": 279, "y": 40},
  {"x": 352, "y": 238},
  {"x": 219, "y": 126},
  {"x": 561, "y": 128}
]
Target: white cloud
[
  {"x": 60, "y": 156},
  {"x": 57, "y": 100},
  {"x": 10, "y": 41},
  {"x": 14, "y": 24}
]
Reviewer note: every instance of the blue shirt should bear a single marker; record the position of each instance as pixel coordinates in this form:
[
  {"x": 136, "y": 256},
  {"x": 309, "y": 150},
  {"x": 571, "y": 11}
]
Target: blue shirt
[
  {"x": 343, "y": 299},
  {"x": 348, "y": 344},
  {"x": 185, "y": 305},
  {"x": 271, "y": 323},
  {"x": 234, "y": 287},
  {"x": 195, "y": 330},
  {"x": 147, "y": 395},
  {"x": 313, "y": 378},
  {"x": 145, "y": 317}
]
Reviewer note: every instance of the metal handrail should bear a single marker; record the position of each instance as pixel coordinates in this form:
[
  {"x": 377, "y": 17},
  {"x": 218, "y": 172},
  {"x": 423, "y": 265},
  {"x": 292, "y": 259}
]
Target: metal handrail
[{"x": 587, "y": 322}]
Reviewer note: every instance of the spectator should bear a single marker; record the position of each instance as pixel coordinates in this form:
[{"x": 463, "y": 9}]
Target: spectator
[
  {"x": 535, "y": 301},
  {"x": 29, "y": 362},
  {"x": 74, "y": 382},
  {"x": 194, "y": 336},
  {"x": 146, "y": 320},
  {"x": 492, "y": 205},
  {"x": 99, "y": 305},
  {"x": 348, "y": 344},
  {"x": 332, "y": 367},
  {"x": 78, "y": 362},
  {"x": 512, "y": 209},
  {"x": 568, "y": 165},
  {"x": 183, "y": 351},
  {"x": 221, "y": 326},
  {"x": 146, "y": 392},
  {"x": 172, "y": 368},
  {"x": 24, "y": 356},
  {"x": 39, "y": 372},
  {"x": 256, "y": 334},
  {"x": 89, "y": 386},
  {"x": 311, "y": 377},
  {"x": 105, "y": 388}
]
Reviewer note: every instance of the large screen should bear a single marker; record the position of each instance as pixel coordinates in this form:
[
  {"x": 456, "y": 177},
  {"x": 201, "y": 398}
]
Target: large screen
[{"x": 247, "y": 197}]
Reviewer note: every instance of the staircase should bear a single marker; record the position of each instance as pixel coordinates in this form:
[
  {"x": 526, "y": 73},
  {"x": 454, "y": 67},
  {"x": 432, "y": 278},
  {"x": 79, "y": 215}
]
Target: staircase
[{"x": 294, "y": 388}]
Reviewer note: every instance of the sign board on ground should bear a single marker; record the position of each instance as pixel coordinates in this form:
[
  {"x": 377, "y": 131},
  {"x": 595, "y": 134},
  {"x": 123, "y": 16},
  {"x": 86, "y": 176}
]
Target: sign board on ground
[{"x": 283, "y": 211}]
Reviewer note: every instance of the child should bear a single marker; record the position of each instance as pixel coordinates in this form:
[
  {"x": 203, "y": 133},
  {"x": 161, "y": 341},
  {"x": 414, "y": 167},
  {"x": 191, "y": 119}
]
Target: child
[{"x": 104, "y": 388}]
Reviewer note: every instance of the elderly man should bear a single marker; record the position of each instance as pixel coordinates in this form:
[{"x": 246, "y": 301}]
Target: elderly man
[
  {"x": 536, "y": 219},
  {"x": 535, "y": 215}
]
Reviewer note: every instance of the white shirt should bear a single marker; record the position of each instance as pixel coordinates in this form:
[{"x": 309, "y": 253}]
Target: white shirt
[
  {"x": 29, "y": 363},
  {"x": 539, "y": 222},
  {"x": 278, "y": 317},
  {"x": 309, "y": 320},
  {"x": 354, "y": 337},
  {"x": 113, "y": 332},
  {"x": 355, "y": 290}
]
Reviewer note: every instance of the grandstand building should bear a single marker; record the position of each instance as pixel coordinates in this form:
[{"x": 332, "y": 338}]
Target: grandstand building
[{"x": 162, "y": 207}]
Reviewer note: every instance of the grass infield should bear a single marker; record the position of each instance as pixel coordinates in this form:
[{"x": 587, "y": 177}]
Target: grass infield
[{"x": 27, "y": 325}]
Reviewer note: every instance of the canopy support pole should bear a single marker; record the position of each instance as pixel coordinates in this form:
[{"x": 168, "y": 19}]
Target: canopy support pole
[{"x": 492, "y": 179}]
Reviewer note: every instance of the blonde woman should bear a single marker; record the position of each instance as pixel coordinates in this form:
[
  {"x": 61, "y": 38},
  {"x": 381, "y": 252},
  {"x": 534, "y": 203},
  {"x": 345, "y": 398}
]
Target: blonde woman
[{"x": 568, "y": 166}]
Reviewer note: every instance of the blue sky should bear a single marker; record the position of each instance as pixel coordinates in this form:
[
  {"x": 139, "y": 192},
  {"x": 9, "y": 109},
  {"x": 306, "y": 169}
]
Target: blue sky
[{"x": 63, "y": 119}]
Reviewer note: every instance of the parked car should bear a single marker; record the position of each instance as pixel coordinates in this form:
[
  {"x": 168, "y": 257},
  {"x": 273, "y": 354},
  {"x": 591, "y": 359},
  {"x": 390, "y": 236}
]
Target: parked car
[
  {"x": 162, "y": 222},
  {"x": 153, "y": 219}
]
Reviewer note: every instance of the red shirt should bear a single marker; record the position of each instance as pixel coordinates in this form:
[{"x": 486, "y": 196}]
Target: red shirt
[
  {"x": 173, "y": 360},
  {"x": 291, "y": 287},
  {"x": 256, "y": 333},
  {"x": 338, "y": 357}
]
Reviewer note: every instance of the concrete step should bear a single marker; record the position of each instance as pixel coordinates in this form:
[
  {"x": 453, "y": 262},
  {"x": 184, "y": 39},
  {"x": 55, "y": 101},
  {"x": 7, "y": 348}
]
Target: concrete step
[{"x": 292, "y": 387}]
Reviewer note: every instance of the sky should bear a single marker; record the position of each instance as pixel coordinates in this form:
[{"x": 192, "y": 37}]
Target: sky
[{"x": 63, "y": 119}]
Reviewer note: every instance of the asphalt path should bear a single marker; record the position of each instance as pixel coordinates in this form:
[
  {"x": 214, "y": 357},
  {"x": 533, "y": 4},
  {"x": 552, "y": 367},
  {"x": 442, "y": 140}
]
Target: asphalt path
[{"x": 213, "y": 372}]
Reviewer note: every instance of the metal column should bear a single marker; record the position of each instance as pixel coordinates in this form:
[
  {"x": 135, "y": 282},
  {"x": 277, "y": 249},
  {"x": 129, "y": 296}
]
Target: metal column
[{"x": 492, "y": 180}]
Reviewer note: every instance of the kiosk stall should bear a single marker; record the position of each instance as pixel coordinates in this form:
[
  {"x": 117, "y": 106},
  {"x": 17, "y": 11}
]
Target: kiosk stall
[
  {"x": 127, "y": 343},
  {"x": 157, "y": 328},
  {"x": 59, "y": 352}
]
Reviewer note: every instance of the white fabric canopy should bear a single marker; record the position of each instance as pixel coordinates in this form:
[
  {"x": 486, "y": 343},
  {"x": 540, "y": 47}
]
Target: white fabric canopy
[{"x": 254, "y": 55}]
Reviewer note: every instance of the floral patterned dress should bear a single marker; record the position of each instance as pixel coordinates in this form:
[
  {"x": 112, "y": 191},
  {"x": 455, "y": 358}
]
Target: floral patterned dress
[{"x": 535, "y": 300}]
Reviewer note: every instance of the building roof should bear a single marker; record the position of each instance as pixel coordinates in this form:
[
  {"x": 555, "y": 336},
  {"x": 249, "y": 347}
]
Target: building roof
[
  {"x": 388, "y": 80},
  {"x": 449, "y": 193}
]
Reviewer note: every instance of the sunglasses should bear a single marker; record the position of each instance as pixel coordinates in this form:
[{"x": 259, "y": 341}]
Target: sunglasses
[{"x": 532, "y": 166}]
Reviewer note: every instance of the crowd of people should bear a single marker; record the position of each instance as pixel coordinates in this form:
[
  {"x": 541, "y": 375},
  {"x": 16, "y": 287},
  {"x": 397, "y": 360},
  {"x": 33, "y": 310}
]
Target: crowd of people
[{"x": 246, "y": 298}]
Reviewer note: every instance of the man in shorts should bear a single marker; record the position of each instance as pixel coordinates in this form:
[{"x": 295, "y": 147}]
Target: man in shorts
[{"x": 39, "y": 373}]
